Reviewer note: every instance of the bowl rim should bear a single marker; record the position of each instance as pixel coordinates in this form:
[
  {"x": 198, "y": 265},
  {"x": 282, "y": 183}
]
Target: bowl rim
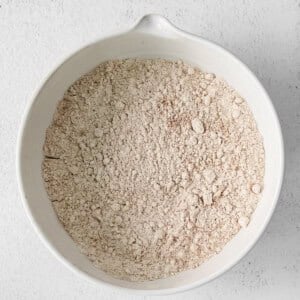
[{"x": 151, "y": 19}]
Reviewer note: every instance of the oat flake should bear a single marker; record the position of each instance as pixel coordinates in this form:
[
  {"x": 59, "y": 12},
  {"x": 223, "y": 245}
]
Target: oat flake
[{"x": 152, "y": 166}]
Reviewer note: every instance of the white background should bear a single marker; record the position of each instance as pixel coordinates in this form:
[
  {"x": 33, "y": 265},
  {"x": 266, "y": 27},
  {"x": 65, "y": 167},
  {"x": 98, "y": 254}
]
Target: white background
[{"x": 35, "y": 36}]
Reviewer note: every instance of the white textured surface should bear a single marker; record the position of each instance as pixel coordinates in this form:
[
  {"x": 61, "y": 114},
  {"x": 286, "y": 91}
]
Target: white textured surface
[{"x": 35, "y": 36}]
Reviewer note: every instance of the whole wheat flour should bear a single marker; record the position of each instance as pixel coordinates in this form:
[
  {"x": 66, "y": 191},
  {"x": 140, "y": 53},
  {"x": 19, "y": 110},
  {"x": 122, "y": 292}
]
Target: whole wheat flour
[{"x": 152, "y": 166}]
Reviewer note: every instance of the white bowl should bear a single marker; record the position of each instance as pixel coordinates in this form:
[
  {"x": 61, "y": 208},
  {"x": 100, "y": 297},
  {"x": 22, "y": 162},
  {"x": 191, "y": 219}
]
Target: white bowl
[{"x": 153, "y": 36}]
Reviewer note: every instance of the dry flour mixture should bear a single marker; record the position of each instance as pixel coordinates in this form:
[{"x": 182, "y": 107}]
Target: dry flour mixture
[{"x": 152, "y": 166}]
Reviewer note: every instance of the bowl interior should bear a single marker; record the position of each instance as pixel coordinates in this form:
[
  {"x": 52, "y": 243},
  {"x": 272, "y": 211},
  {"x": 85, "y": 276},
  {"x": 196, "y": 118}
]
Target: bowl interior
[{"x": 193, "y": 50}]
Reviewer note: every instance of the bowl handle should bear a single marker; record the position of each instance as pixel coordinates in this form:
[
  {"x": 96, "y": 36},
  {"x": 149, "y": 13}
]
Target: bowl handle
[{"x": 156, "y": 25}]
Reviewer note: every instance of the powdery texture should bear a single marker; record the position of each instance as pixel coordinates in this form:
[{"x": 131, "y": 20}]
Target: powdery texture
[{"x": 152, "y": 166}]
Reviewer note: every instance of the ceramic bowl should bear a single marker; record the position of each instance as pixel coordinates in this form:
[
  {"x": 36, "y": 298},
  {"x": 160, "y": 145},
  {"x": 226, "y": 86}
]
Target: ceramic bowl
[{"x": 152, "y": 37}]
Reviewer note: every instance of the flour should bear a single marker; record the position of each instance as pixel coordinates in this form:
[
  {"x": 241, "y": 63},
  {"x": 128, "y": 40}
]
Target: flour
[{"x": 152, "y": 166}]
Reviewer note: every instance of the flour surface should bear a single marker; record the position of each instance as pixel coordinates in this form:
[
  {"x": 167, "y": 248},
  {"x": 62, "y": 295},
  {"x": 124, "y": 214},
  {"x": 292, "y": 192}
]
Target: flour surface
[{"x": 152, "y": 166}]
